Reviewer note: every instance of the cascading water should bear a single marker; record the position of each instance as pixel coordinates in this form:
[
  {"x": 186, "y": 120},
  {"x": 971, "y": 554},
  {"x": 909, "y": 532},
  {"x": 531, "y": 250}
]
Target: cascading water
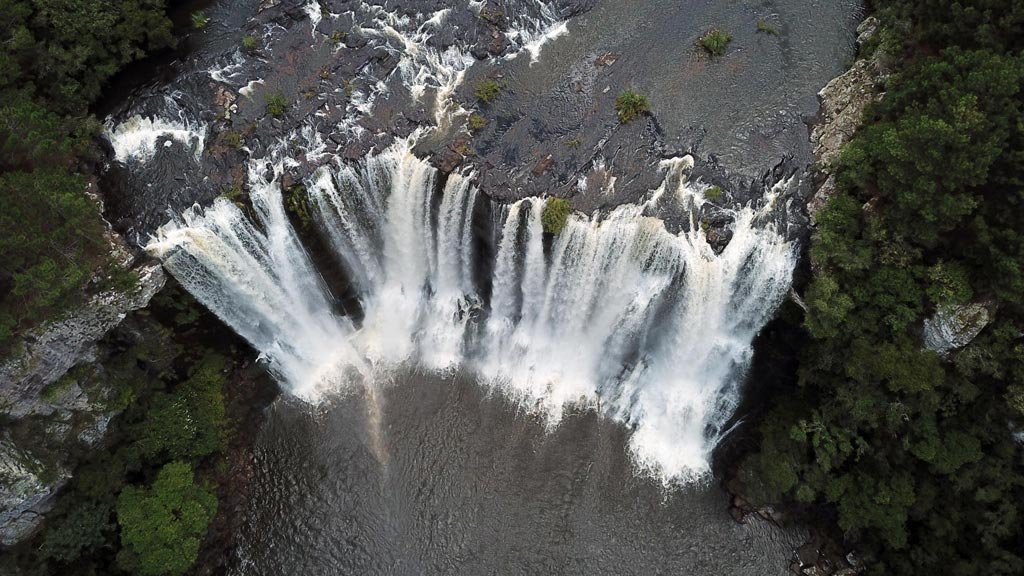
[
  {"x": 136, "y": 138},
  {"x": 257, "y": 278},
  {"x": 653, "y": 327}
]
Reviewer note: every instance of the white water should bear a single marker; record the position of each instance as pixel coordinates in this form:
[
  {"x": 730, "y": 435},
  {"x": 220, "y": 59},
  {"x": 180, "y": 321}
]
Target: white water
[
  {"x": 138, "y": 137},
  {"x": 652, "y": 327},
  {"x": 259, "y": 280},
  {"x": 424, "y": 68}
]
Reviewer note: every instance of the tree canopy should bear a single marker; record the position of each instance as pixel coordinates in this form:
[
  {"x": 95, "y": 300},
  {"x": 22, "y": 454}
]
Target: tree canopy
[
  {"x": 163, "y": 525},
  {"x": 55, "y": 56},
  {"x": 915, "y": 454}
]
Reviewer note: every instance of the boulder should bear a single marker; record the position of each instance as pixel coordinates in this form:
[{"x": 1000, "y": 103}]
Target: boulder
[{"x": 953, "y": 327}]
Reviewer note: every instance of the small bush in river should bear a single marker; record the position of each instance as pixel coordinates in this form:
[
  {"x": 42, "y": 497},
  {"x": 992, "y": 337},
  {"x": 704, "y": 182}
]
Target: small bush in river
[
  {"x": 631, "y": 104},
  {"x": 764, "y": 27},
  {"x": 715, "y": 42},
  {"x": 276, "y": 105},
  {"x": 233, "y": 139},
  {"x": 199, "y": 20},
  {"x": 555, "y": 215},
  {"x": 714, "y": 194},
  {"x": 249, "y": 43},
  {"x": 476, "y": 122},
  {"x": 487, "y": 90}
]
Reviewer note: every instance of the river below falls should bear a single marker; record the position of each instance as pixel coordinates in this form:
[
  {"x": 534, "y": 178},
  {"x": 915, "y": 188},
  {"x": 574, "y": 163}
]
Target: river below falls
[{"x": 421, "y": 474}]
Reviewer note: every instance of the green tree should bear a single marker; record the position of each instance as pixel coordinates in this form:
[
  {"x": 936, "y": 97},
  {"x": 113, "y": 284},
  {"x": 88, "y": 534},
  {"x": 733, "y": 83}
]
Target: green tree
[
  {"x": 555, "y": 215},
  {"x": 162, "y": 526},
  {"x": 912, "y": 453},
  {"x": 188, "y": 423},
  {"x": 84, "y": 529}
]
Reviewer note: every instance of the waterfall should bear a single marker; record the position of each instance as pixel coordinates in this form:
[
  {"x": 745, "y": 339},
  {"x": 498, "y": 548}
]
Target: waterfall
[
  {"x": 653, "y": 327},
  {"x": 257, "y": 278}
]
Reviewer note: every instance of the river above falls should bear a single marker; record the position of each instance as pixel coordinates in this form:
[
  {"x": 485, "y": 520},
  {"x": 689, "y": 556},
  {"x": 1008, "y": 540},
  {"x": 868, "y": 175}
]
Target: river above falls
[{"x": 432, "y": 475}]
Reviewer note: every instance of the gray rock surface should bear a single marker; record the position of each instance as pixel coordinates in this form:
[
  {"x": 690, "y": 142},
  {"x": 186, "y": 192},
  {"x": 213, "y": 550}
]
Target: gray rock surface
[
  {"x": 52, "y": 349},
  {"x": 45, "y": 410},
  {"x": 953, "y": 327},
  {"x": 843, "y": 102},
  {"x": 26, "y": 492}
]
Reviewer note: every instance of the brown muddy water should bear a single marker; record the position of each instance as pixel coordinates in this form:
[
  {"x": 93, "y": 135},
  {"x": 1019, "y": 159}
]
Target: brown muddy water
[{"x": 424, "y": 474}]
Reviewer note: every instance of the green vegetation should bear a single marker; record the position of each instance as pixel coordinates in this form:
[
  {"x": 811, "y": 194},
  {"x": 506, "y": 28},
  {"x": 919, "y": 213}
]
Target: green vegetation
[
  {"x": 162, "y": 526},
  {"x": 912, "y": 453},
  {"x": 556, "y": 214},
  {"x": 337, "y": 37},
  {"x": 190, "y": 422},
  {"x": 630, "y": 104},
  {"x": 574, "y": 143},
  {"x": 233, "y": 139},
  {"x": 54, "y": 59},
  {"x": 276, "y": 104},
  {"x": 234, "y": 194},
  {"x": 492, "y": 15},
  {"x": 715, "y": 42},
  {"x": 765, "y": 28},
  {"x": 85, "y": 528},
  {"x": 714, "y": 194},
  {"x": 296, "y": 202},
  {"x": 142, "y": 505},
  {"x": 199, "y": 20},
  {"x": 249, "y": 43},
  {"x": 476, "y": 122},
  {"x": 487, "y": 90}
]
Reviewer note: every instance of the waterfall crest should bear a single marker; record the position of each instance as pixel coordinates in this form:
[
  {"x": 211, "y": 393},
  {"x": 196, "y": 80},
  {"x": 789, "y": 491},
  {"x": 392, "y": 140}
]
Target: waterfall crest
[{"x": 652, "y": 327}]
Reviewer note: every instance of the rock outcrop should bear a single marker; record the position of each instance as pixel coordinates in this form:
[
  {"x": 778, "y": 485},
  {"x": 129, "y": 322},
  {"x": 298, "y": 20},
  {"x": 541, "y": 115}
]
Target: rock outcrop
[
  {"x": 46, "y": 411},
  {"x": 953, "y": 327},
  {"x": 843, "y": 102}
]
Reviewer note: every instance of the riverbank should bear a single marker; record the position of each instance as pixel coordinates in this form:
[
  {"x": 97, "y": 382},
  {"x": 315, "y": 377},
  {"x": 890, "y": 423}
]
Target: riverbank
[{"x": 880, "y": 426}]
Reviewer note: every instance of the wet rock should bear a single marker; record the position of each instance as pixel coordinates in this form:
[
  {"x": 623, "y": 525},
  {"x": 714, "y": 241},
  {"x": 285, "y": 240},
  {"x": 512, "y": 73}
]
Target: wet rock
[
  {"x": 606, "y": 59},
  {"x": 543, "y": 166},
  {"x": 25, "y": 495},
  {"x": 224, "y": 98},
  {"x": 498, "y": 44},
  {"x": 953, "y": 327},
  {"x": 738, "y": 514},
  {"x": 453, "y": 155}
]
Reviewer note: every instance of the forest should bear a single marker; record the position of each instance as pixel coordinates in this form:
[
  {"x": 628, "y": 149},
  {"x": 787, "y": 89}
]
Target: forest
[
  {"x": 55, "y": 56},
  {"x": 916, "y": 456},
  {"x": 137, "y": 507}
]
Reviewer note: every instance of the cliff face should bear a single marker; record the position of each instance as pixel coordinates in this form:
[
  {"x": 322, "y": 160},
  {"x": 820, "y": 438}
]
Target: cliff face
[
  {"x": 843, "y": 102},
  {"x": 47, "y": 414}
]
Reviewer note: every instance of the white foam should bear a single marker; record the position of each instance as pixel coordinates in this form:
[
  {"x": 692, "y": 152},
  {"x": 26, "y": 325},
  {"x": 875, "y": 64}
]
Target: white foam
[
  {"x": 136, "y": 138},
  {"x": 229, "y": 72}
]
